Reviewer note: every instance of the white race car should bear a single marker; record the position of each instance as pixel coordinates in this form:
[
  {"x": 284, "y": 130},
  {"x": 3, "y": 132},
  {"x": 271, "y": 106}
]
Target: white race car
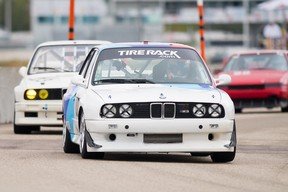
[
  {"x": 148, "y": 97},
  {"x": 39, "y": 94}
]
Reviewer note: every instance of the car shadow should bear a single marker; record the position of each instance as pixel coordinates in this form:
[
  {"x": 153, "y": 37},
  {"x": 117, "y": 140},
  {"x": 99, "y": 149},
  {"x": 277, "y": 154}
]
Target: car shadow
[
  {"x": 160, "y": 158},
  {"x": 264, "y": 111},
  {"x": 47, "y": 132}
]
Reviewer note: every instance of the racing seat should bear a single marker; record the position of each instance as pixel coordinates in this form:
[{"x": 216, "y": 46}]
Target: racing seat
[{"x": 159, "y": 72}]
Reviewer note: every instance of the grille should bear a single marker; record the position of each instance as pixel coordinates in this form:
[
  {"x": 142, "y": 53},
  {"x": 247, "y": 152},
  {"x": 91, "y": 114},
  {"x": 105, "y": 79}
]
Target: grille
[
  {"x": 249, "y": 103},
  {"x": 245, "y": 87},
  {"x": 169, "y": 110},
  {"x": 163, "y": 138},
  {"x": 164, "y": 110},
  {"x": 31, "y": 114},
  {"x": 156, "y": 110}
]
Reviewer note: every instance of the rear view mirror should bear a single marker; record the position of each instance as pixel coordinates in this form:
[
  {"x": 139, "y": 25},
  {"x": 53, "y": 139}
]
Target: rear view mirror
[
  {"x": 223, "y": 79},
  {"x": 78, "y": 80},
  {"x": 23, "y": 71}
]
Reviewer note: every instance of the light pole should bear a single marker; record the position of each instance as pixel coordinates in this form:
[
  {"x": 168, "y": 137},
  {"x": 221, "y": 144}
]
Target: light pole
[
  {"x": 201, "y": 28},
  {"x": 71, "y": 34}
]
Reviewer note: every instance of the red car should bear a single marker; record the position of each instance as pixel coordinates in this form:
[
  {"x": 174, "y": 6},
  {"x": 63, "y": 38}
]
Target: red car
[{"x": 259, "y": 79}]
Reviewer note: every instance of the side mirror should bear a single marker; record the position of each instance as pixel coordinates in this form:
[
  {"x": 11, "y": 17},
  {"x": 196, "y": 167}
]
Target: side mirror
[
  {"x": 78, "y": 80},
  {"x": 223, "y": 79},
  {"x": 23, "y": 71}
]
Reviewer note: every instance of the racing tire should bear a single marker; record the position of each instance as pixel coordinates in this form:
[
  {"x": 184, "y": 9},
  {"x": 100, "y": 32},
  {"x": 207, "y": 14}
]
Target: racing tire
[
  {"x": 83, "y": 143},
  {"x": 68, "y": 145},
  {"x": 238, "y": 110},
  {"x": 284, "y": 109},
  {"x": 223, "y": 157}
]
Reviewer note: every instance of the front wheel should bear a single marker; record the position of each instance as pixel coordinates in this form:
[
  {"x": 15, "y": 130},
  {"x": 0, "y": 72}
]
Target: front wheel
[
  {"x": 223, "y": 157},
  {"x": 83, "y": 142},
  {"x": 68, "y": 145}
]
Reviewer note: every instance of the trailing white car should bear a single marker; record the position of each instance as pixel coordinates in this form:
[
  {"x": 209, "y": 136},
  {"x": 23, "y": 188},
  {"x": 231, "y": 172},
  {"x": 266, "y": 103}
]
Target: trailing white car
[
  {"x": 39, "y": 94},
  {"x": 148, "y": 97}
]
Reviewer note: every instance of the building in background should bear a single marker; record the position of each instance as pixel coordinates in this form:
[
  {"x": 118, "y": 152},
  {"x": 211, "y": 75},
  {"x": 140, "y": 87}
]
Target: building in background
[{"x": 228, "y": 23}]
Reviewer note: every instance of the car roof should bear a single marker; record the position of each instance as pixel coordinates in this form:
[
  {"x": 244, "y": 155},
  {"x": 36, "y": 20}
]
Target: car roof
[
  {"x": 259, "y": 52},
  {"x": 74, "y": 42},
  {"x": 144, "y": 44}
]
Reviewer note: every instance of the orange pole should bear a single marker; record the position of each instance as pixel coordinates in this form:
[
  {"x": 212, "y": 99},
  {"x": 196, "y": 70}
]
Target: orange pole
[
  {"x": 201, "y": 28},
  {"x": 71, "y": 34}
]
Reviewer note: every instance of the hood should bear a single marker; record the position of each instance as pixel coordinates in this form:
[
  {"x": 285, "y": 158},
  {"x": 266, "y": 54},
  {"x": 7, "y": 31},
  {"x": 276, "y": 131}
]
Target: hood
[
  {"x": 48, "y": 80},
  {"x": 125, "y": 93},
  {"x": 256, "y": 77}
]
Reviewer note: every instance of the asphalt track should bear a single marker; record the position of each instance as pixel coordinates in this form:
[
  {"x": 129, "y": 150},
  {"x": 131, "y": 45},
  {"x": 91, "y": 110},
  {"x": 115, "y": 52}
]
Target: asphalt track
[{"x": 36, "y": 163}]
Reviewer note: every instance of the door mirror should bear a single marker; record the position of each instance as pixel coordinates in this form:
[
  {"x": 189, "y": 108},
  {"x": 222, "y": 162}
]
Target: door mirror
[
  {"x": 23, "y": 71},
  {"x": 223, "y": 79},
  {"x": 78, "y": 80}
]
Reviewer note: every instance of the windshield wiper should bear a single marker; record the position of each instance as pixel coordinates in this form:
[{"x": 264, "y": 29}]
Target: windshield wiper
[
  {"x": 123, "y": 81},
  {"x": 44, "y": 68},
  {"x": 52, "y": 68}
]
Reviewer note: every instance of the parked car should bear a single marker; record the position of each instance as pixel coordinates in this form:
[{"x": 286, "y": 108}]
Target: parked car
[
  {"x": 38, "y": 97},
  {"x": 259, "y": 79},
  {"x": 148, "y": 97}
]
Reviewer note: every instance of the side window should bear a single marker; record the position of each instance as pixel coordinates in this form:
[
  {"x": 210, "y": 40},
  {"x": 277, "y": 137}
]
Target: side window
[
  {"x": 87, "y": 70},
  {"x": 86, "y": 62}
]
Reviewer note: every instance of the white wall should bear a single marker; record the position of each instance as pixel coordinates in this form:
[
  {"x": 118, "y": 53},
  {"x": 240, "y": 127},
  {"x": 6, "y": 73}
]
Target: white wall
[{"x": 9, "y": 78}]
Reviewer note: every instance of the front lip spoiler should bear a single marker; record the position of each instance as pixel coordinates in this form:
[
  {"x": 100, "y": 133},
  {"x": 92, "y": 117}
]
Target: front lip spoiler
[
  {"x": 233, "y": 140},
  {"x": 90, "y": 141}
]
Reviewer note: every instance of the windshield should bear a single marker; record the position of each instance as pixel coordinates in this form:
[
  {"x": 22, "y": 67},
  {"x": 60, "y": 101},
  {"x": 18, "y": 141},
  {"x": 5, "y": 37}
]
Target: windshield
[
  {"x": 150, "y": 65},
  {"x": 54, "y": 59},
  {"x": 257, "y": 62}
]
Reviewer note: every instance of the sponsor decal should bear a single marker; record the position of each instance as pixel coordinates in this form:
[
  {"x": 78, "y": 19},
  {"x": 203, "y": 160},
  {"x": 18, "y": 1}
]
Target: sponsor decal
[{"x": 160, "y": 53}]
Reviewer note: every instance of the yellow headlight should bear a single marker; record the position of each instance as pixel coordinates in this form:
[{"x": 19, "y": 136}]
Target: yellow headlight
[
  {"x": 43, "y": 94},
  {"x": 31, "y": 94}
]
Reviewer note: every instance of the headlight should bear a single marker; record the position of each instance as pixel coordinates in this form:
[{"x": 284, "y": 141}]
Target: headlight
[
  {"x": 43, "y": 94},
  {"x": 125, "y": 111},
  {"x": 31, "y": 94},
  {"x": 214, "y": 110},
  {"x": 109, "y": 111},
  {"x": 199, "y": 110}
]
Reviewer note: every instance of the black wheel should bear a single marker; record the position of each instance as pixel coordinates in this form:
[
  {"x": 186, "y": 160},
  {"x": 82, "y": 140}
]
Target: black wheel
[
  {"x": 284, "y": 109},
  {"x": 83, "y": 142},
  {"x": 238, "y": 110},
  {"x": 223, "y": 157},
  {"x": 68, "y": 145}
]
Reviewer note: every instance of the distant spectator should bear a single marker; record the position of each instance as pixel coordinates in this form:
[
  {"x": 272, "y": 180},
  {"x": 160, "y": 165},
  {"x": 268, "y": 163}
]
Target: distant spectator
[{"x": 272, "y": 33}]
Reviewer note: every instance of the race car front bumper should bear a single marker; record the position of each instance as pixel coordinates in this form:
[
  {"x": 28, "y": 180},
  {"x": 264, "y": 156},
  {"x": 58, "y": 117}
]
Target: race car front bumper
[
  {"x": 43, "y": 113},
  {"x": 161, "y": 135}
]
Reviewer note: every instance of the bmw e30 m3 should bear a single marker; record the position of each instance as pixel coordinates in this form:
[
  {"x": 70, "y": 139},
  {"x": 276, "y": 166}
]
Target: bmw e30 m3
[
  {"x": 148, "y": 97},
  {"x": 38, "y": 97}
]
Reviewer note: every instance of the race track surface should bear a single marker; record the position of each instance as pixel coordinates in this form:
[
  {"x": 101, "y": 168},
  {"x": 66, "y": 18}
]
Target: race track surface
[{"x": 36, "y": 163}]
